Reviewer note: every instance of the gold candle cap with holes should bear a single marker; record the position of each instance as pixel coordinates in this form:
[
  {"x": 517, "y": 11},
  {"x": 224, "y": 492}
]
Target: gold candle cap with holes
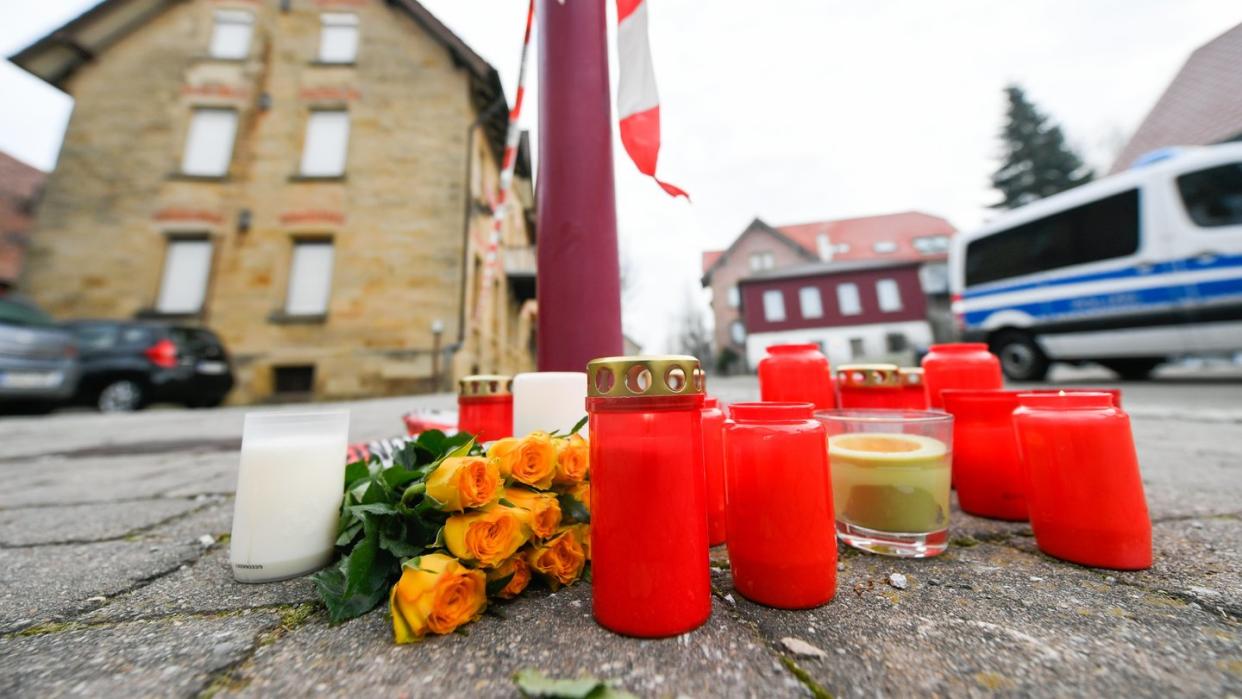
[
  {"x": 911, "y": 376},
  {"x": 868, "y": 376},
  {"x": 644, "y": 377},
  {"x": 477, "y": 385}
]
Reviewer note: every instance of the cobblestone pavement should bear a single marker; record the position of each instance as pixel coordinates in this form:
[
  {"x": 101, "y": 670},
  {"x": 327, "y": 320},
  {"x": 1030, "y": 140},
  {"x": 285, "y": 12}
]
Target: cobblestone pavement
[{"x": 114, "y": 580}]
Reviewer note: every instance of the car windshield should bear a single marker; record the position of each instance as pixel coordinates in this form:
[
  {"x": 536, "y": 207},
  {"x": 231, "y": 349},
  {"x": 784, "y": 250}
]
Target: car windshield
[{"x": 17, "y": 311}]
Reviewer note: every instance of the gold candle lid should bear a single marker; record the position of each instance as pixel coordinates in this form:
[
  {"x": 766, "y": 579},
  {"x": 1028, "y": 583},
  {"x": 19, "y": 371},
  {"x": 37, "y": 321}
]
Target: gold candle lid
[
  {"x": 911, "y": 376},
  {"x": 642, "y": 377},
  {"x": 477, "y": 385},
  {"x": 868, "y": 375}
]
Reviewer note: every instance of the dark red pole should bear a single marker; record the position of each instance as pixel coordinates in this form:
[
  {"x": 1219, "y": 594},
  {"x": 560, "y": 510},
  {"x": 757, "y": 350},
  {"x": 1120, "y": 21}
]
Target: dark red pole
[{"x": 579, "y": 278}]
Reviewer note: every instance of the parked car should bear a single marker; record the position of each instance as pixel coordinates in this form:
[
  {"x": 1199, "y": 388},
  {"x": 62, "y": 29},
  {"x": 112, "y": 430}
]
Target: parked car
[
  {"x": 38, "y": 359},
  {"x": 1128, "y": 271},
  {"x": 127, "y": 365}
]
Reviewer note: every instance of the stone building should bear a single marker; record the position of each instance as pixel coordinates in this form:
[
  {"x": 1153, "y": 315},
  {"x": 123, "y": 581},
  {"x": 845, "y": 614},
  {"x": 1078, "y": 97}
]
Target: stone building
[
  {"x": 312, "y": 179},
  {"x": 20, "y": 185}
]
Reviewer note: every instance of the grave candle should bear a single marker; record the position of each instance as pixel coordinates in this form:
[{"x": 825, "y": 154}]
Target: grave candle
[
  {"x": 869, "y": 386},
  {"x": 913, "y": 392},
  {"x": 797, "y": 372},
  {"x": 713, "y": 462},
  {"x": 548, "y": 400},
  {"x": 485, "y": 406},
  {"x": 959, "y": 365}
]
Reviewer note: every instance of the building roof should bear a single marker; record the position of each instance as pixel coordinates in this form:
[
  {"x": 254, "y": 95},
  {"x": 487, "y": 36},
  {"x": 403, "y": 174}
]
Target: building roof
[
  {"x": 55, "y": 57},
  {"x": 1202, "y": 105},
  {"x": 826, "y": 269}
]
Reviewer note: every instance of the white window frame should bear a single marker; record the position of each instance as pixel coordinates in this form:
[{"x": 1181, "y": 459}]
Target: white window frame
[
  {"x": 209, "y": 142},
  {"x": 774, "y": 305},
  {"x": 186, "y": 273},
  {"x": 338, "y": 37},
  {"x": 325, "y": 147},
  {"x": 737, "y": 332},
  {"x": 849, "y": 301},
  {"x": 764, "y": 259},
  {"x": 810, "y": 302},
  {"x": 302, "y": 297},
  {"x": 888, "y": 293},
  {"x": 824, "y": 245},
  {"x": 734, "y": 296},
  {"x": 231, "y": 34},
  {"x": 884, "y": 247}
]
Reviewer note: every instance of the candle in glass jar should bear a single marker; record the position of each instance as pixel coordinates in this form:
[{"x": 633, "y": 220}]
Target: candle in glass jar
[
  {"x": 798, "y": 373},
  {"x": 485, "y": 406},
  {"x": 959, "y": 365},
  {"x": 548, "y": 401}
]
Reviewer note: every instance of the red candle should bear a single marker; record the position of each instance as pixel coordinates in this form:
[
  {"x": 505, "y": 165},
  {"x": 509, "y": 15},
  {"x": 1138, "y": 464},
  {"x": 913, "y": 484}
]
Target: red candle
[
  {"x": 987, "y": 469},
  {"x": 797, "y": 373},
  {"x": 713, "y": 461},
  {"x": 485, "y": 406},
  {"x": 1083, "y": 486},
  {"x": 959, "y": 365},
  {"x": 648, "y": 496},
  {"x": 779, "y": 491},
  {"x": 875, "y": 386},
  {"x": 913, "y": 392}
]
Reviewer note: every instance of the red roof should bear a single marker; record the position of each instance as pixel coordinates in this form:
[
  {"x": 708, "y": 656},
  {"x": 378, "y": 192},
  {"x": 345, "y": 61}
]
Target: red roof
[{"x": 710, "y": 257}]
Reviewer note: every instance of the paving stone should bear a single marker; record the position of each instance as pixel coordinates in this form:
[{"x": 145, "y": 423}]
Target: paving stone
[
  {"x": 86, "y": 523},
  {"x": 59, "y": 481},
  {"x": 169, "y": 657},
  {"x": 554, "y": 633}
]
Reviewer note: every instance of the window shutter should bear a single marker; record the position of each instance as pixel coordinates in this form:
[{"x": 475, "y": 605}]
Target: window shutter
[
  {"x": 186, "y": 268},
  {"x": 230, "y": 37},
  {"x": 310, "y": 279},
  {"x": 327, "y": 142},
  {"x": 338, "y": 37},
  {"x": 209, "y": 142}
]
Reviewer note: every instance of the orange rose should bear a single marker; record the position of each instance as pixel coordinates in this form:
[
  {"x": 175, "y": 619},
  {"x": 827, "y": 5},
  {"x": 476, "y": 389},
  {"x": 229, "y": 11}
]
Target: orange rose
[
  {"x": 530, "y": 460},
  {"x": 573, "y": 460},
  {"x": 518, "y": 573},
  {"x": 462, "y": 482},
  {"x": 582, "y": 493},
  {"x": 583, "y": 534},
  {"x": 539, "y": 511},
  {"x": 436, "y": 593},
  {"x": 486, "y": 537},
  {"x": 560, "y": 560}
]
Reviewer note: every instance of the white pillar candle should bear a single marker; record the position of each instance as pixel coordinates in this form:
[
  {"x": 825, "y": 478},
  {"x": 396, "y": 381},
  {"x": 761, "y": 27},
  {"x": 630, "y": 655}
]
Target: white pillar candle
[
  {"x": 289, "y": 490},
  {"x": 548, "y": 400}
]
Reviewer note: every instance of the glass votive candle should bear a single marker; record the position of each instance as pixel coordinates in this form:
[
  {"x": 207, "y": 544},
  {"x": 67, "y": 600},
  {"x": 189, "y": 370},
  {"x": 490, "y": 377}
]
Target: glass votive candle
[
  {"x": 890, "y": 479},
  {"x": 485, "y": 406},
  {"x": 869, "y": 386},
  {"x": 1084, "y": 490},
  {"x": 649, "y": 557},
  {"x": 797, "y": 373},
  {"x": 713, "y": 463},
  {"x": 987, "y": 469},
  {"x": 289, "y": 489},
  {"x": 959, "y": 365},
  {"x": 778, "y": 491},
  {"x": 913, "y": 392},
  {"x": 548, "y": 401}
]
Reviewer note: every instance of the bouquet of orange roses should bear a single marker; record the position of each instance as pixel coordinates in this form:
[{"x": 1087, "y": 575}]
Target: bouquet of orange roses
[{"x": 449, "y": 525}]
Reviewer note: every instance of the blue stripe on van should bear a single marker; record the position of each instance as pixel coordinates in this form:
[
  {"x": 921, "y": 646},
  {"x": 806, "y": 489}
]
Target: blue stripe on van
[
  {"x": 1120, "y": 302},
  {"x": 1191, "y": 264}
]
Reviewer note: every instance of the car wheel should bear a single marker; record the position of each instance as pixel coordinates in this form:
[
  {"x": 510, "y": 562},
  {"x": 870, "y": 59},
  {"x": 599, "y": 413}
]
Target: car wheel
[
  {"x": 1020, "y": 357},
  {"x": 1136, "y": 369},
  {"x": 121, "y": 396}
]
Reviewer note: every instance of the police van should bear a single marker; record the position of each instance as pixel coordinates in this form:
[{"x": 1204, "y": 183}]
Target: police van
[{"x": 1127, "y": 271}]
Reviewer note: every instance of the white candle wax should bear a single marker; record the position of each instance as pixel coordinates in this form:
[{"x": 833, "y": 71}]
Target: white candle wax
[
  {"x": 289, "y": 491},
  {"x": 548, "y": 400}
]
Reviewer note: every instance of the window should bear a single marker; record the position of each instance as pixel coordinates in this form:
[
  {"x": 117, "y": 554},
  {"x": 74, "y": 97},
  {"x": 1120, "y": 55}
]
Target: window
[
  {"x": 824, "y": 246},
  {"x": 884, "y": 247},
  {"x": 889, "y": 295},
  {"x": 760, "y": 261},
  {"x": 856, "y": 348},
  {"x": 209, "y": 142},
  {"x": 737, "y": 332},
  {"x": 310, "y": 278},
  {"x": 1101, "y": 230},
  {"x": 294, "y": 379},
  {"x": 735, "y": 297},
  {"x": 327, "y": 141},
  {"x": 230, "y": 36},
  {"x": 187, "y": 264},
  {"x": 773, "y": 306},
  {"x": 896, "y": 342},
  {"x": 338, "y": 37},
  {"x": 848, "y": 300},
  {"x": 1213, "y": 197},
  {"x": 932, "y": 244},
  {"x": 810, "y": 302}
]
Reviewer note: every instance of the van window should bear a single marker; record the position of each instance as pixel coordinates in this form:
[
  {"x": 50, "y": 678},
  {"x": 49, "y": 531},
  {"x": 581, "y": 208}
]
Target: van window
[
  {"x": 1101, "y": 230},
  {"x": 1213, "y": 197}
]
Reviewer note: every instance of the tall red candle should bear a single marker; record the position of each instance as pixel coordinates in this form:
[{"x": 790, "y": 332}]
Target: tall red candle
[
  {"x": 797, "y": 373},
  {"x": 875, "y": 386},
  {"x": 779, "y": 491},
  {"x": 1084, "y": 490},
  {"x": 913, "y": 392},
  {"x": 649, "y": 545},
  {"x": 959, "y": 365},
  {"x": 485, "y": 406},
  {"x": 713, "y": 462},
  {"x": 987, "y": 469}
]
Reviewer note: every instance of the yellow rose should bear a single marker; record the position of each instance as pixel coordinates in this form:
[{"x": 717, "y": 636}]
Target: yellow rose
[
  {"x": 559, "y": 560},
  {"x": 518, "y": 573},
  {"x": 573, "y": 460},
  {"x": 539, "y": 511},
  {"x": 486, "y": 537},
  {"x": 582, "y": 493},
  {"x": 462, "y": 482},
  {"x": 583, "y": 533},
  {"x": 436, "y": 593},
  {"x": 530, "y": 460}
]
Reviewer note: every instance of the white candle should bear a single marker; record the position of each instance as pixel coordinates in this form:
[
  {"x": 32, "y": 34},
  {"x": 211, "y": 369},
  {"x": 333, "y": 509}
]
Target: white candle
[
  {"x": 289, "y": 490},
  {"x": 548, "y": 400}
]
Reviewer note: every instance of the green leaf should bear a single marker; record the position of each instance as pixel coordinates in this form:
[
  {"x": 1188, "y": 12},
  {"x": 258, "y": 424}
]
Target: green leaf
[
  {"x": 439, "y": 542},
  {"x": 348, "y": 535},
  {"x": 360, "y": 581},
  {"x": 396, "y": 477},
  {"x": 399, "y": 547},
  {"x": 463, "y": 449},
  {"x": 355, "y": 472},
  {"x": 572, "y": 508},
  {"x": 505, "y": 502},
  {"x": 580, "y": 424},
  {"x": 533, "y": 683},
  {"x": 494, "y": 586},
  {"x": 375, "y": 508}
]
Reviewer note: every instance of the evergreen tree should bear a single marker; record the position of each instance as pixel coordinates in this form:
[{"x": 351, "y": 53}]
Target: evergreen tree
[{"x": 1038, "y": 163}]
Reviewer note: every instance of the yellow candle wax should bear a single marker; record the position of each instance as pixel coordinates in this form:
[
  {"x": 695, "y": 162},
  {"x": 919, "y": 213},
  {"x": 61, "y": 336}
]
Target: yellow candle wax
[{"x": 890, "y": 482}]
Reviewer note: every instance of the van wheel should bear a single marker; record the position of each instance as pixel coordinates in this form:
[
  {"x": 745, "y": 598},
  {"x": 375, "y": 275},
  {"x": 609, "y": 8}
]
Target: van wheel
[
  {"x": 1134, "y": 369},
  {"x": 1021, "y": 359}
]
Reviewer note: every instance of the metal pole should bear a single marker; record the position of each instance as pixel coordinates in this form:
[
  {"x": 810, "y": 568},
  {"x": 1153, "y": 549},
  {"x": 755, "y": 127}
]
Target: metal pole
[{"x": 579, "y": 278}]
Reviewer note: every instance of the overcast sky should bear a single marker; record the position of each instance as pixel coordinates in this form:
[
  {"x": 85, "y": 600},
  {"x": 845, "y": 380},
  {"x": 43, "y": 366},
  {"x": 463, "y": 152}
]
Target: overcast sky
[{"x": 799, "y": 110}]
